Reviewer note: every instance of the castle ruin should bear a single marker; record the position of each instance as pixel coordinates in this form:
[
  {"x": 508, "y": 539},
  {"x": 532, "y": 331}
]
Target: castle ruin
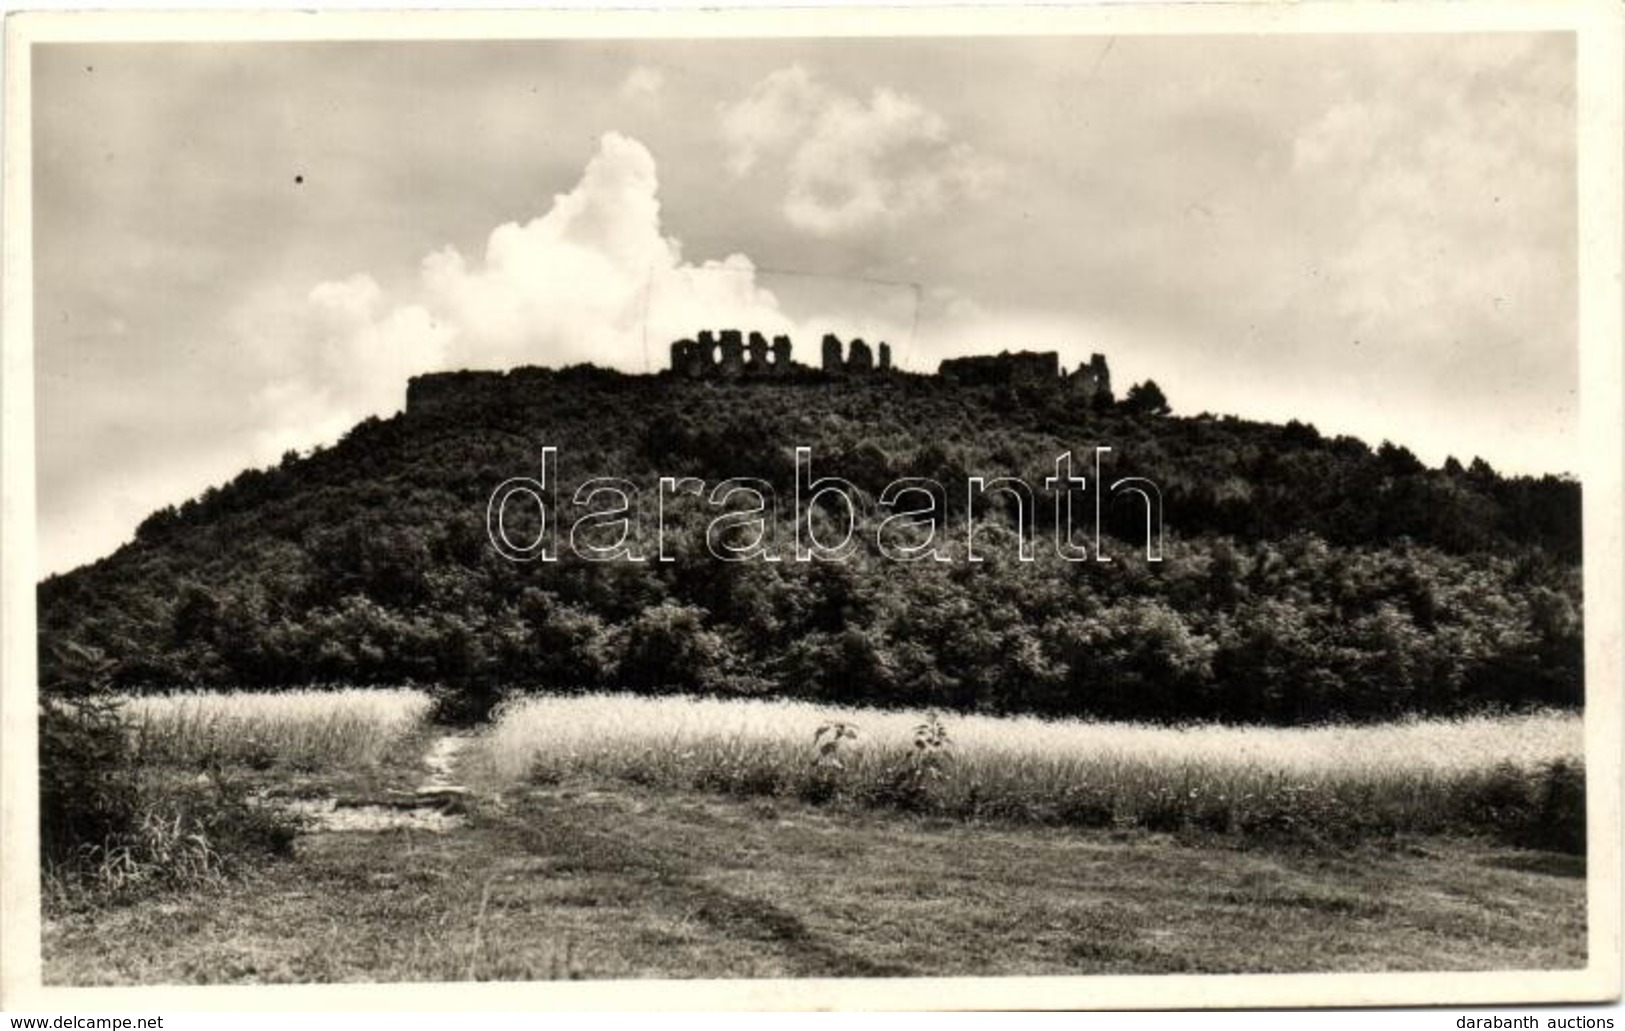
[{"x": 730, "y": 354}]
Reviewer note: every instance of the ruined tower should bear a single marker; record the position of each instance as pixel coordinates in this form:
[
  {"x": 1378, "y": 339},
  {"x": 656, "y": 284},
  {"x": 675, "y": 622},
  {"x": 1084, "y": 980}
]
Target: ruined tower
[
  {"x": 1103, "y": 375},
  {"x": 1092, "y": 379}
]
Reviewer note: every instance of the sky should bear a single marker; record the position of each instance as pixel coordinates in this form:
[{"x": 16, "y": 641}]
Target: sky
[{"x": 242, "y": 249}]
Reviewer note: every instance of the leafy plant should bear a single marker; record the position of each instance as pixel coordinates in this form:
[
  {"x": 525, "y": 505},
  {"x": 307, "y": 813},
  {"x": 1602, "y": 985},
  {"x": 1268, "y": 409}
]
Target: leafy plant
[
  {"x": 827, "y": 742},
  {"x": 931, "y": 741},
  {"x": 831, "y": 741},
  {"x": 911, "y": 780}
]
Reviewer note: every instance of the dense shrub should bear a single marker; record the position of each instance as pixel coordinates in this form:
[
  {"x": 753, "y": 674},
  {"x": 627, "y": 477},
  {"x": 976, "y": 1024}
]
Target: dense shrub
[
  {"x": 1544, "y": 809},
  {"x": 110, "y": 824}
]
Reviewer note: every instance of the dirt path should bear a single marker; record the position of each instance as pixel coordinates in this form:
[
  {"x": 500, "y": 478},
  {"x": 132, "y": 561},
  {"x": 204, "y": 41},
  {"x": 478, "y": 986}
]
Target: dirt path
[
  {"x": 436, "y": 806},
  {"x": 441, "y": 762}
]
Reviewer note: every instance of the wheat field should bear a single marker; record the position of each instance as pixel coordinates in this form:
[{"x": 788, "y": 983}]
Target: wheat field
[
  {"x": 308, "y": 729},
  {"x": 1481, "y": 772},
  {"x": 1516, "y": 776}
]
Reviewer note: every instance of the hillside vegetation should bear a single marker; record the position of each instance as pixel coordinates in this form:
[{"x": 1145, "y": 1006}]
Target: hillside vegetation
[{"x": 1304, "y": 578}]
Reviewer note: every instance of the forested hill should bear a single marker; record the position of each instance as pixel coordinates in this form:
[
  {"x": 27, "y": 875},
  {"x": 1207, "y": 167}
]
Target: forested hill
[{"x": 1303, "y": 577}]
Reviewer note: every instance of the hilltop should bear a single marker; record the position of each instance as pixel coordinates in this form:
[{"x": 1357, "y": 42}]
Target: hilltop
[{"x": 1303, "y": 577}]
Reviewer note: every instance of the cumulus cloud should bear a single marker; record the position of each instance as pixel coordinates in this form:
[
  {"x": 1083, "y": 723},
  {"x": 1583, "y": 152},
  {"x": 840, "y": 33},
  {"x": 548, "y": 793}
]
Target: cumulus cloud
[
  {"x": 346, "y": 355},
  {"x": 592, "y": 280},
  {"x": 850, "y": 163}
]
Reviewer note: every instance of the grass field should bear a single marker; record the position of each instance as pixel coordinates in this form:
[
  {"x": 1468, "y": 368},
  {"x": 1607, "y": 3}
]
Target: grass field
[
  {"x": 614, "y": 836},
  {"x": 636, "y": 882}
]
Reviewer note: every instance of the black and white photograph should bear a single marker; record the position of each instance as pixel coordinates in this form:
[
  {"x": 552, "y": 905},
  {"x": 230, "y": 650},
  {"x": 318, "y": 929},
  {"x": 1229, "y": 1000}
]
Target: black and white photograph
[{"x": 1056, "y": 494}]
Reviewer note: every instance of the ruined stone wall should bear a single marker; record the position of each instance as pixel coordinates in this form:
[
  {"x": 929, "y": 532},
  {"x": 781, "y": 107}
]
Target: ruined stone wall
[
  {"x": 1091, "y": 380},
  {"x": 731, "y": 355},
  {"x": 438, "y": 392},
  {"x": 859, "y": 360},
  {"x": 1003, "y": 369}
]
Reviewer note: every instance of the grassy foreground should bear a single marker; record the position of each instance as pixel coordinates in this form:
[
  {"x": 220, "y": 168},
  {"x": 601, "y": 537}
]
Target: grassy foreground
[
  {"x": 611, "y": 837},
  {"x": 582, "y": 882}
]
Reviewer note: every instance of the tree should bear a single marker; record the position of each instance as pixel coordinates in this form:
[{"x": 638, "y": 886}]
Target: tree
[
  {"x": 668, "y": 647},
  {"x": 86, "y": 784},
  {"x": 1397, "y": 460},
  {"x": 1301, "y": 434},
  {"x": 1147, "y": 398}
]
